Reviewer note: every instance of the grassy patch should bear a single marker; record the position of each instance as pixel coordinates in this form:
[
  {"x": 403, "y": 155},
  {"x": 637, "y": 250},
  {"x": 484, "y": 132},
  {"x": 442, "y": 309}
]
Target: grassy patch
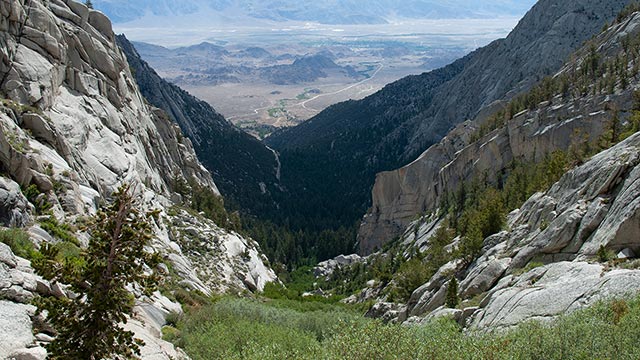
[
  {"x": 19, "y": 242},
  {"x": 530, "y": 266},
  {"x": 245, "y": 329}
]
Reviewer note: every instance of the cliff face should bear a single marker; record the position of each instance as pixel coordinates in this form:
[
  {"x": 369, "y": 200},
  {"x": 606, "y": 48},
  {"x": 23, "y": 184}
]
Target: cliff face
[
  {"x": 355, "y": 140},
  {"x": 67, "y": 65},
  {"x": 75, "y": 125},
  {"x": 564, "y": 248},
  {"x": 399, "y": 196},
  {"x": 246, "y": 171}
]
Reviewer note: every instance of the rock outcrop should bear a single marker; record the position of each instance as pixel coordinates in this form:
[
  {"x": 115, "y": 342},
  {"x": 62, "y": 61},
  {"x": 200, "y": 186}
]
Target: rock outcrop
[
  {"x": 350, "y": 142},
  {"x": 419, "y": 187},
  {"x": 18, "y": 287},
  {"x": 74, "y": 128},
  {"x": 326, "y": 268},
  {"x": 596, "y": 205},
  {"x": 14, "y": 207},
  {"x": 553, "y": 290},
  {"x": 223, "y": 260}
]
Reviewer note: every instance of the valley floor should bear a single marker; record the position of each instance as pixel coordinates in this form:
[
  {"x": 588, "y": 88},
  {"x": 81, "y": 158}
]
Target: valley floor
[{"x": 232, "y": 328}]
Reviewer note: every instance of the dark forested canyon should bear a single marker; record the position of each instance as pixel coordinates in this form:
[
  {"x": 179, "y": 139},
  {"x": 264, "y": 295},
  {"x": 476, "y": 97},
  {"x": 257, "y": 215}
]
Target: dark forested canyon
[{"x": 500, "y": 192}]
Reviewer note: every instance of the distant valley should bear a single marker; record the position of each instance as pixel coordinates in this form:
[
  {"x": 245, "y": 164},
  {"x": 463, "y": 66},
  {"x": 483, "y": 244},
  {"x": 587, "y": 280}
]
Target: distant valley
[
  {"x": 274, "y": 64},
  {"x": 266, "y": 84}
]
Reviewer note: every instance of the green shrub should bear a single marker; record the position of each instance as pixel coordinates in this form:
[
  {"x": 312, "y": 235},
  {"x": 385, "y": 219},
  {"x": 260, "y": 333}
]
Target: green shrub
[
  {"x": 19, "y": 242},
  {"x": 59, "y": 230},
  {"x": 274, "y": 290},
  {"x": 604, "y": 255},
  {"x": 32, "y": 194},
  {"x": 170, "y": 333},
  {"x": 193, "y": 298},
  {"x": 173, "y": 318},
  {"x": 411, "y": 275}
]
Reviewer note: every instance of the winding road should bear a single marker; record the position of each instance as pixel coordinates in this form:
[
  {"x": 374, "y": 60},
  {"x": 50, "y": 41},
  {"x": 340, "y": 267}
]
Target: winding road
[{"x": 304, "y": 103}]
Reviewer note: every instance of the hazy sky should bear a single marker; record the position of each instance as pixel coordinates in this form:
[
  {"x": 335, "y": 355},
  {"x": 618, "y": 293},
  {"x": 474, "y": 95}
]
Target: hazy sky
[
  {"x": 328, "y": 11},
  {"x": 184, "y": 22}
]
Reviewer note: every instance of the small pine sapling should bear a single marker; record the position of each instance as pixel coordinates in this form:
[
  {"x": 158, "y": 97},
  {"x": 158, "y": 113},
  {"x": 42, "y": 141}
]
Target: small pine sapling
[
  {"x": 452, "y": 300},
  {"x": 88, "y": 325}
]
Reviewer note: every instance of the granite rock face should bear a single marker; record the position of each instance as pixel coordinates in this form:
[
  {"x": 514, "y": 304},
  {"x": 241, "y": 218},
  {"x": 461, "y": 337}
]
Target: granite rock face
[
  {"x": 545, "y": 262},
  {"x": 400, "y": 195},
  {"x": 66, "y": 66},
  {"x": 75, "y": 126},
  {"x": 593, "y": 206},
  {"x": 15, "y": 327},
  {"x": 18, "y": 287},
  {"x": 550, "y": 291},
  {"x": 15, "y": 210}
]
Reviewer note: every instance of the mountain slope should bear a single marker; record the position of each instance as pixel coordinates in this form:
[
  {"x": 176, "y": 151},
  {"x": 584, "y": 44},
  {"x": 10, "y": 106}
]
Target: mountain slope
[
  {"x": 245, "y": 171},
  {"x": 533, "y": 210},
  {"x": 421, "y": 186},
  {"x": 74, "y": 127},
  {"x": 348, "y": 143}
]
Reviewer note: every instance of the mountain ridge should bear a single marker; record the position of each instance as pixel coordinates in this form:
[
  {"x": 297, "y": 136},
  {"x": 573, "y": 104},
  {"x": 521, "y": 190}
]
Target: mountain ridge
[
  {"x": 352, "y": 141},
  {"x": 74, "y": 128},
  {"x": 245, "y": 170}
]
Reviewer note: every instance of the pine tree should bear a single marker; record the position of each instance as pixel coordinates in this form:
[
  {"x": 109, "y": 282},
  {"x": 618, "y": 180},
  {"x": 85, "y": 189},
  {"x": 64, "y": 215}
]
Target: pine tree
[
  {"x": 89, "y": 4},
  {"x": 451, "y": 299},
  {"x": 87, "y": 326}
]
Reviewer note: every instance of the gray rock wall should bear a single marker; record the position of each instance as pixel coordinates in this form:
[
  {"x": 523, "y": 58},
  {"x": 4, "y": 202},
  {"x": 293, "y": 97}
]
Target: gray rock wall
[
  {"x": 591, "y": 206},
  {"x": 61, "y": 59},
  {"x": 417, "y": 188},
  {"x": 74, "y": 124}
]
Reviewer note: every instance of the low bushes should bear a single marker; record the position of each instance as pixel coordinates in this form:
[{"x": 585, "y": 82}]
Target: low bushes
[{"x": 245, "y": 329}]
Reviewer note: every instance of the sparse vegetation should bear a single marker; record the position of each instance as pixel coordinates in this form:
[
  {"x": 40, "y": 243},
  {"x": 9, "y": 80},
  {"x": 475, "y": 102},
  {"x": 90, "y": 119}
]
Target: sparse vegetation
[
  {"x": 202, "y": 199},
  {"x": 18, "y": 143},
  {"x": 530, "y": 266},
  {"x": 38, "y": 199},
  {"x": 19, "y": 242},
  {"x": 604, "y": 255},
  {"x": 20, "y": 108},
  {"x": 61, "y": 231}
]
